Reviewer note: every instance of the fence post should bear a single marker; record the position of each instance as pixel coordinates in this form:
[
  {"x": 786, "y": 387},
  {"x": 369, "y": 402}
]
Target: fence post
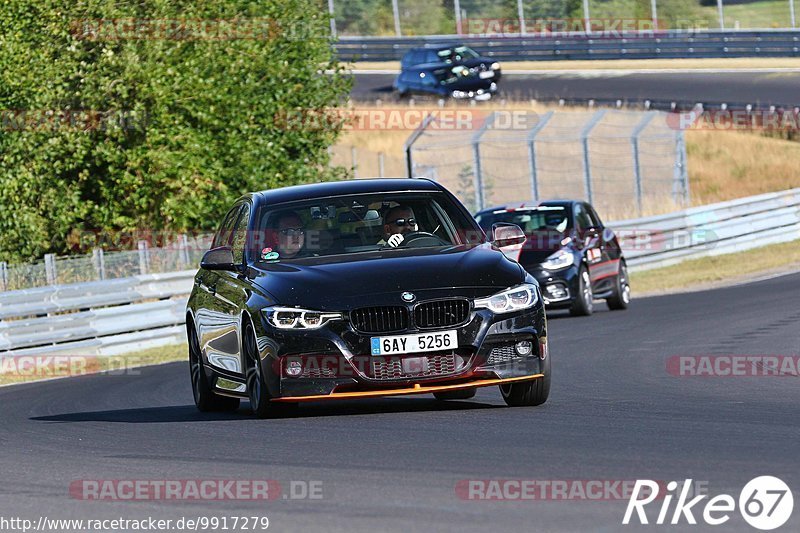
[
  {"x": 521, "y": 15},
  {"x": 396, "y": 13},
  {"x": 654, "y": 13},
  {"x": 333, "y": 18},
  {"x": 476, "y": 151},
  {"x": 457, "y": 9},
  {"x": 791, "y": 12},
  {"x": 587, "y": 24},
  {"x": 144, "y": 258},
  {"x": 381, "y": 164},
  {"x": 409, "y": 144},
  {"x": 721, "y": 14},
  {"x": 587, "y": 170},
  {"x": 3, "y": 276},
  {"x": 354, "y": 161},
  {"x": 637, "y": 168},
  {"x": 50, "y": 269},
  {"x": 99, "y": 262},
  {"x": 532, "y": 153},
  {"x": 680, "y": 183},
  {"x": 183, "y": 243}
]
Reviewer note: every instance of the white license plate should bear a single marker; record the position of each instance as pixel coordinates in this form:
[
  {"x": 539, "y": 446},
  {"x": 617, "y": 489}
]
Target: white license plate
[
  {"x": 422, "y": 342},
  {"x": 486, "y": 74}
]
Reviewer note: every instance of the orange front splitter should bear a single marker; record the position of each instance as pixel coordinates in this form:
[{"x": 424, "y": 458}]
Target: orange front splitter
[{"x": 416, "y": 389}]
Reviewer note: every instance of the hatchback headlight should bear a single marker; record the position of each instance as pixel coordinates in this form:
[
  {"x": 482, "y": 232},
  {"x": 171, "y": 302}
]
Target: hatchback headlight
[
  {"x": 495, "y": 66},
  {"x": 293, "y": 318},
  {"x": 514, "y": 299},
  {"x": 557, "y": 261}
]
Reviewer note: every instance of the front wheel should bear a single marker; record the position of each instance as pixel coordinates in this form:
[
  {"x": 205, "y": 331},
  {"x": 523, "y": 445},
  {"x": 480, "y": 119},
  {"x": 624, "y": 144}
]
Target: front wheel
[
  {"x": 528, "y": 393},
  {"x": 583, "y": 304},
  {"x": 204, "y": 398},
  {"x": 260, "y": 403},
  {"x": 622, "y": 290}
]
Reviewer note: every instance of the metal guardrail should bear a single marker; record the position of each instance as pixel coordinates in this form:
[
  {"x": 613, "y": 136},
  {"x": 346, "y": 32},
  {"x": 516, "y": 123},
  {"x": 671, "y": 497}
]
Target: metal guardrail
[
  {"x": 122, "y": 315},
  {"x": 533, "y": 47},
  {"x": 714, "y": 229}
]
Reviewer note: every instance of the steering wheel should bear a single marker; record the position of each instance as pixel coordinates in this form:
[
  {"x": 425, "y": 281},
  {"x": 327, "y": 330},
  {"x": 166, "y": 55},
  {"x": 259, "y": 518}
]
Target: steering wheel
[{"x": 421, "y": 238}]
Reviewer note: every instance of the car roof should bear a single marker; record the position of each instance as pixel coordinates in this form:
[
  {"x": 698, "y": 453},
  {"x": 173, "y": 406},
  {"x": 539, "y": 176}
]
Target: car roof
[
  {"x": 339, "y": 188},
  {"x": 530, "y": 205},
  {"x": 436, "y": 46}
]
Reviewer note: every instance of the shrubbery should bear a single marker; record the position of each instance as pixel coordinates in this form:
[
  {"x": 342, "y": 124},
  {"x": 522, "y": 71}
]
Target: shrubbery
[{"x": 149, "y": 127}]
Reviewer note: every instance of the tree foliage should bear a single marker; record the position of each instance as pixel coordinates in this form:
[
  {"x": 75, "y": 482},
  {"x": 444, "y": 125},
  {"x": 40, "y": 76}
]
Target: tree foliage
[{"x": 200, "y": 113}]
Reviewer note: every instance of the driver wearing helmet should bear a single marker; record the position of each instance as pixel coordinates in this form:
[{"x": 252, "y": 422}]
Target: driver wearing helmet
[{"x": 398, "y": 222}]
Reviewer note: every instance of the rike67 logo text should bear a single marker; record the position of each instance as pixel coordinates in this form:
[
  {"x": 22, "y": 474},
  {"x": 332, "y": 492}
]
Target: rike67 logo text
[{"x": 765, "y": 503}]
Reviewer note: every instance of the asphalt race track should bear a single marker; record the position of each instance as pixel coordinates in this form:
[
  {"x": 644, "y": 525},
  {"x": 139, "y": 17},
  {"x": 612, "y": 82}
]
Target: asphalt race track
[
  {"x": 756, "y": 88},
  {"x": 615, "y": 413}
]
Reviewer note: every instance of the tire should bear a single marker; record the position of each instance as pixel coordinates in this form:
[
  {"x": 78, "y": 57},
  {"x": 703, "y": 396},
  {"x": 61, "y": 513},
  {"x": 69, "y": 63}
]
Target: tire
[
  {"x": 205, "y": 398},
  {"x": 529, "y": 393},
  {"x": 583, "y": 304},
  {"x": 257, "y": 390},
  {"x": 622, "y": 290},
  {"x": 463, "y": 394}
]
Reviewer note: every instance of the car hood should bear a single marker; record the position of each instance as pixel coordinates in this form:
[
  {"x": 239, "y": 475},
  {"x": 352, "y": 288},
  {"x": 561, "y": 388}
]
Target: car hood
[{"x": 378, "y": 278}]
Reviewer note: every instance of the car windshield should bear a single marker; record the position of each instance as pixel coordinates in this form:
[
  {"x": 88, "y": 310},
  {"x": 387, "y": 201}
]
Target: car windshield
[
  {"x": 459, "y": 53},
  {"x": 531, "y": 220},
  {"x": 360, "y": 224}
]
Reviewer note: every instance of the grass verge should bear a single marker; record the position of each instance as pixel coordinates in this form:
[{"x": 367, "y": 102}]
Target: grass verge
[
  {"x": 708, "y": 272},
  {"x": 36, "y": 368}
]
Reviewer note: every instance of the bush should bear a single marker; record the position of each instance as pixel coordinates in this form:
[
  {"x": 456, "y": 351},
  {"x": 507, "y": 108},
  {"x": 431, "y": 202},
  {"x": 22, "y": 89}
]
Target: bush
[{"x": 102, "y": 132}]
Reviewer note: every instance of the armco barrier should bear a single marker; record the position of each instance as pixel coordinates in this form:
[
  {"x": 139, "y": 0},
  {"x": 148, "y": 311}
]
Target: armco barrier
[
  {"x": 123, "y": 315},
  {"x": 532, "y": 47}
]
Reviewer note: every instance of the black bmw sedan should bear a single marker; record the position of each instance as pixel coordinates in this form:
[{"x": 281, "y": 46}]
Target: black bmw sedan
[
  {"x": 361, "y": 289},
  {"x": 573, "y": 255}
]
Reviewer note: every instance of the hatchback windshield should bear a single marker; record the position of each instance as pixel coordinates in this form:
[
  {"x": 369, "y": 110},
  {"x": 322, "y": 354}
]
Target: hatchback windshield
[
  {"x": 358, "y": 224},
  {"x": 459, "y": 53},
  {"x": 531, "y": 220}
]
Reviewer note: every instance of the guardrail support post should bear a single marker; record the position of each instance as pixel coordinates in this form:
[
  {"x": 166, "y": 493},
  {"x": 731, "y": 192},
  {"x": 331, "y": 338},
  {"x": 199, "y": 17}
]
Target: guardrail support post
[
  {"x": 587, "y": 169},
  {"x": 50, "y": 269},
  {"x": 532, "y": 153},
  {"x": 476, "y": 152},
  {"x": 99, "y": 262},
  {"x": 144, "y": 258},
  {"x": 3, "y": 276},
  {"x": 637, "y": 167}
]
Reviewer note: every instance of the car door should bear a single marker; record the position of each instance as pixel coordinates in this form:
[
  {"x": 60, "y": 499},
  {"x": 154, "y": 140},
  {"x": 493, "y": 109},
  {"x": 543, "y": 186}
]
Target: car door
[
  {"x": 211, "y": 318},
  {"x": 609, "y": 248},
  {"x": 232, "y": 292},
  {"x": 588, "y": 239}
]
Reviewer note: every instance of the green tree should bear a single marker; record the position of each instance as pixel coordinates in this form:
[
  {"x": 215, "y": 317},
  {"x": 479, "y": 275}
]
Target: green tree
[{"x": 208, "y": 113}]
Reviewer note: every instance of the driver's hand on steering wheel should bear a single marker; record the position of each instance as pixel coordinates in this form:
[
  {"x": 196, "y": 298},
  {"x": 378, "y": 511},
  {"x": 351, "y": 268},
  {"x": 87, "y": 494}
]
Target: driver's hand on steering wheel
[{"x": 395, "y": 240}]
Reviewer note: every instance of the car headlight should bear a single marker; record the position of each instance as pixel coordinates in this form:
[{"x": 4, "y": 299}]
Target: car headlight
[
  {"x": 495, "y": 66},
  {"x": 514, "y": 299},
  {"x": 293, "y": 318},
  {"x": 557, "y": 261}
]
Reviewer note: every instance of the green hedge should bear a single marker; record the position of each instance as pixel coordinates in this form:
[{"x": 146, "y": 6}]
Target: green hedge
[{"x": 191, "y": 116}]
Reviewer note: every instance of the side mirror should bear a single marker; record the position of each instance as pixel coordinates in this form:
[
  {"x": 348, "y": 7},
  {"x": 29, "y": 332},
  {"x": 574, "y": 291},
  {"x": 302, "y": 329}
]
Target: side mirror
[
  {"x": 218, "y": 259},
  {"x": 504, "y": 234}
]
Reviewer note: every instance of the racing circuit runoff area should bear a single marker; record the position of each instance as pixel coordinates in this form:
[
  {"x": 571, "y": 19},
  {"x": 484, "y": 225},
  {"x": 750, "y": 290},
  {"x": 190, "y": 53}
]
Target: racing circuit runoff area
[{"x": 648, "y": 394}]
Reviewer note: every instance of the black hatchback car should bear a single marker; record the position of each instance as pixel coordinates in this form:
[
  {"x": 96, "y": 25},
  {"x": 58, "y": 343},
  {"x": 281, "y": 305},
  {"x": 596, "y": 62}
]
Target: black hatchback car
[
  {"x": 453, "y": 54},
  {"x": 361, "y": 289},
  {"x": 575, "y": 258},
  {"x": 444, "y": 81}
]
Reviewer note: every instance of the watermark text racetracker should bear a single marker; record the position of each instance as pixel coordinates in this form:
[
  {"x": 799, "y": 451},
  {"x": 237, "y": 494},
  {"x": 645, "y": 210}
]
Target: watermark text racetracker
[
  {"x": 186, "y": 490},
  {"x": 184, "y": 523},
  {"x": 734, "y": 365}
]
